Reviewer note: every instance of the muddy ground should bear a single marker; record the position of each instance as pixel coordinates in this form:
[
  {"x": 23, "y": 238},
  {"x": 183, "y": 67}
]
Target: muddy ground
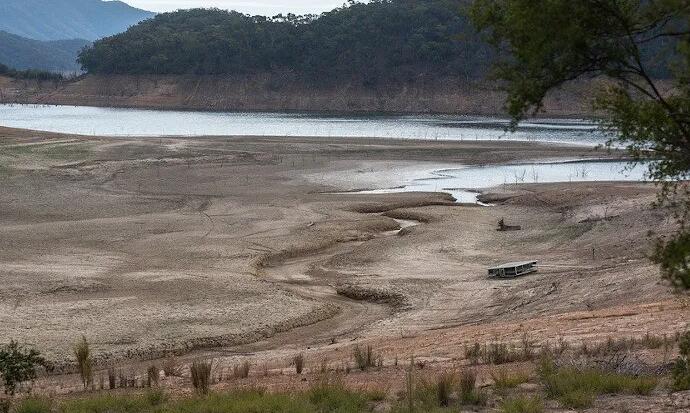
[{"x": 242, "y": 248}]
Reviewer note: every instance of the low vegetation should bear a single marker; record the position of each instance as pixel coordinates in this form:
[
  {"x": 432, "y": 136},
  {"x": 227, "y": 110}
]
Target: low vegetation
[
  {"x": 324, "y": 397},
  {"x": 523, "y": 404},
  {"x": 504, "y": 379},
  {"x": 578, "y": 388}
]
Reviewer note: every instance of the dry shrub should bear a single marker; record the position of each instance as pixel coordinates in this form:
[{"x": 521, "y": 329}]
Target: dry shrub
[
  {"x": 82, "y": 352},
  {"x": 364, "y": 358},
  {"x": 298, "y": 362},
  {"x": 241, "y": 371},
  {"x": 171, "y": 367},
  {"x": 152, "y": 376},
  {"x": 201, "y": 375},
  {"x": 112, "y": 378}
]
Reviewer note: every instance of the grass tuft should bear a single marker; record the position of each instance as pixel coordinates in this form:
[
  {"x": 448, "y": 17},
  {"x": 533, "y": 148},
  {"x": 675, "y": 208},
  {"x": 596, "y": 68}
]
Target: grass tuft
[
  {"x": 504, "y": 379},
  {"x": 523, "y": 404}
]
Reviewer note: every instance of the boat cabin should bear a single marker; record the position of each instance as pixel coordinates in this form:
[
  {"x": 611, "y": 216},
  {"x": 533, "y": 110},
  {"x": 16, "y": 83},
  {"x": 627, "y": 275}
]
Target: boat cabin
[{"x": 513, "y": 269}]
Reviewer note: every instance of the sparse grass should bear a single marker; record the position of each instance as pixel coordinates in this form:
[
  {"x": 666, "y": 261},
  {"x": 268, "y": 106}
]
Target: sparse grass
[
  {"x": 468, "y": 391},
  {"x": 500, "y": 353},
  {"x": 33, "y": 406},
  {"x": 578, "y": 388},
  {"x": 473, "y": 353},
  {"x": 201, "y": 375},
  {"x": 82, "y": 352},
  {"x": 523, "y": 404},
  {"x": 444, "y": 389},
  {"x": 505, "y": 379},
  {"x": 325, "y": 397},
  {"x": 106, "y": 404},
  {"x": 331, "y": 396},
  {"x": 52, "y": 151},
  {"x": 625, "y": 344}
]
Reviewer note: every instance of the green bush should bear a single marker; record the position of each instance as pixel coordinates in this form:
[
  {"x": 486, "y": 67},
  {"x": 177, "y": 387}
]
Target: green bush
[{"x": 17, "y": 365}]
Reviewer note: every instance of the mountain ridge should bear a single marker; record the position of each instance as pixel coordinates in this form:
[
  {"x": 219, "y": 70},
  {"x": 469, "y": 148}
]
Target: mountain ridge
[
  {"x": 56, "y": 56},
  {"x": 49, "y": 20}
]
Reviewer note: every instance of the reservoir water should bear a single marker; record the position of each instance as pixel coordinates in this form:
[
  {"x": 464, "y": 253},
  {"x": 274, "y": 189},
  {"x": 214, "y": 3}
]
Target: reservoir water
[
  {"x": 465, "y": 182},
  {"x": 462, "y": 182},
  {"x": 147, "y": 123}
]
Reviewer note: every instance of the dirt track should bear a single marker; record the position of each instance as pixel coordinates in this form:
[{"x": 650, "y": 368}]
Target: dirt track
[{"x": 230, "y": 246}]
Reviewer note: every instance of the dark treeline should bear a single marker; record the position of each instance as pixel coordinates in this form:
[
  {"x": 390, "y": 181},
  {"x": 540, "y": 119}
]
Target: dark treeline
[
  {"x": 381, "y": 42},
  {"x": 32, "y": 74}
]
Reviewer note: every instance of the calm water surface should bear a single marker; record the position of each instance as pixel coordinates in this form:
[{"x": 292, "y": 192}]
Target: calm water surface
[
  {"x": 138, "y": 122},
  {"x": 464, "y": 182}
]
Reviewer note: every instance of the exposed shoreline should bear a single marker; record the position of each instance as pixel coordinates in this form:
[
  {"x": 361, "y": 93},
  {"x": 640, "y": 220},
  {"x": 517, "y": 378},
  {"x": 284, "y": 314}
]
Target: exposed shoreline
[{"x": 259, "y": 94}]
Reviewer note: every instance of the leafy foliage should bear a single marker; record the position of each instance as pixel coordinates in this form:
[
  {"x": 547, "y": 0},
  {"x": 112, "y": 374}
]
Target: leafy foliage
[
  {"x": 379, "y": 42},
  {"x": 630, "y": 44},
  {"x": 17, "y": 365}
]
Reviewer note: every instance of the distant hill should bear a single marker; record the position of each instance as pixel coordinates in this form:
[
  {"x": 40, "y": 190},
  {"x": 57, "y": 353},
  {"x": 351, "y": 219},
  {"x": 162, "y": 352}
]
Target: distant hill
[
  {"x": 68, "y": 19},
  {"x": 56, "y": 56},
  {"x": 377, "y": 43}
]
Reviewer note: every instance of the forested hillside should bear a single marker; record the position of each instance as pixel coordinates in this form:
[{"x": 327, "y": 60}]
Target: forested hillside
[
  {"x": 381, "y": 42},
  {"x": 67, "y": 19},
  {"x": 57, "y": 56}
]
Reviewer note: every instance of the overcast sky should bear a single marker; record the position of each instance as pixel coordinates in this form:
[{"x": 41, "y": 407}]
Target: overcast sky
[{"x": 261, "y": 7}]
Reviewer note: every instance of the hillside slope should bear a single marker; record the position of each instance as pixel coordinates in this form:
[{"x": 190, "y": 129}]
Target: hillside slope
[
  {"x": 369, "y": 44},
  {"x": 57, "y": 56},
  {"x": 68, "y": 19}
]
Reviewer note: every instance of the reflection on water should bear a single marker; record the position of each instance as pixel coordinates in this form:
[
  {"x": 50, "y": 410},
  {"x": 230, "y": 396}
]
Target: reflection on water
[
  {"x": 137, "y": 122},
  {"x": 464, "y": 183}
]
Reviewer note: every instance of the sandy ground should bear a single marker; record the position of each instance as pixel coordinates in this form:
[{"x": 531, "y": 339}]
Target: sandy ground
[{"x": 238, "y": 248}]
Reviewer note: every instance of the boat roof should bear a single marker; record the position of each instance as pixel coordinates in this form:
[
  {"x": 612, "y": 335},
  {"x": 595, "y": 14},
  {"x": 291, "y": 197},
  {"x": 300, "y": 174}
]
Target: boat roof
[{"x": 513, "y": 264}]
